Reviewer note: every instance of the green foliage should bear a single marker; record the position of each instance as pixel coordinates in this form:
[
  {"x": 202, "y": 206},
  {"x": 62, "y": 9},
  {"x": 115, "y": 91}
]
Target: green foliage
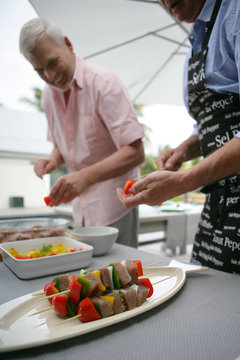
[
  {"x": 138, "y": 109},
  {"x": 148, "y": 166},
  {"x": 37, "y": 99}
]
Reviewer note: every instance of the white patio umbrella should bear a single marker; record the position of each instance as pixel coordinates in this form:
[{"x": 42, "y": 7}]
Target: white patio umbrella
[{"x": 137, "y": 39}]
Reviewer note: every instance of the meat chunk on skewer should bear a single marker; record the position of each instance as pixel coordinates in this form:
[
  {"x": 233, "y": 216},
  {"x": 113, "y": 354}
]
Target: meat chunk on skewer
[
  {"x": 118, "y": 305},
  {"x": 132, "y": 270},
  {"x": 63, "y": 282},
  {"x": 106, "y": 277},
  {"x": 103, "y": 305},
  {"x": 142, "y": 294},
  {"x": 94, "y": 285},
  {"x": 123, "y": 275},
  {"x": 130, "y": 297}
]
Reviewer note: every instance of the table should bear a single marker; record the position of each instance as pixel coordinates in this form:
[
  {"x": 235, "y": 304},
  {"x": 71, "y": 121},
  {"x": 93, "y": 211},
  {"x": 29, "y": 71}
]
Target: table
[
  {"x": 179, "y": 227},
  {"x": 202, "y": 321},
  {"x": 21, "y": 213},
  {"x": 176, "y": 229}
]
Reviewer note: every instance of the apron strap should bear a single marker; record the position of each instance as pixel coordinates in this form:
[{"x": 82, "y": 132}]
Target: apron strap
[{"x": 210, "y": 24}]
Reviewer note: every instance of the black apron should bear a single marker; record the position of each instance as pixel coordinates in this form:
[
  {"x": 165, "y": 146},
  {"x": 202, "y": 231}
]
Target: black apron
[{"x": 217, "y": 242}]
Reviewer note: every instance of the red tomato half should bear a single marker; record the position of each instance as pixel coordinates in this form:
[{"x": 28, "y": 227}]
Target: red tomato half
[
  {"x": 60, "y": 304},
  {"x": 47, "y": 200},
  {"x": 87, "y": 311},
  {"x": 75, "y": 289},
  {"x": 146, "y": 282},
  {"x": 50, "y": 289},
  {"x": 127, "y": 185},
  {"x": 139, "y": 266}
]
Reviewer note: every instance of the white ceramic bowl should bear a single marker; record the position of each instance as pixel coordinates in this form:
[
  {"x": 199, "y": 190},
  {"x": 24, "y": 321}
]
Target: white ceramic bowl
[
  {"x": 32, "y": 268},
  {"x": 101, "y": 238}
]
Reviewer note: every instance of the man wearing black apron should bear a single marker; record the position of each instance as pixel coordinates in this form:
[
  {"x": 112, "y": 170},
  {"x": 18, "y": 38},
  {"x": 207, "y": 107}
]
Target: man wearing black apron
[{"x": 217, "y": 242}]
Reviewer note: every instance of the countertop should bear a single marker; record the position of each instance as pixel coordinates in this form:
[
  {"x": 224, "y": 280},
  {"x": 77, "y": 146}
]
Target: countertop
[{"x": 202, "y": 321}]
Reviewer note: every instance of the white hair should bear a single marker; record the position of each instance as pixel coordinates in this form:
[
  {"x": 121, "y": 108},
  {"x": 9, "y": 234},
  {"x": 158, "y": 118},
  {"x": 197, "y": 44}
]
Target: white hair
[{"x": 33, "y": 30}]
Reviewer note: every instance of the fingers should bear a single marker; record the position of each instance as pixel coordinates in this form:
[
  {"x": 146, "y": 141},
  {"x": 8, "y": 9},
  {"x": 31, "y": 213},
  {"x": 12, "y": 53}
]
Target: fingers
[
  {"x": 170, "y": 159},
  {"x": 42, "y": 167},
  {"x": 66, "y": 189},
  {"x": 60, "y": 193},
  {"x": 163, "y": 159},
  {"x": 174, "y": 162},
  {"x": 129, "y": 201}
]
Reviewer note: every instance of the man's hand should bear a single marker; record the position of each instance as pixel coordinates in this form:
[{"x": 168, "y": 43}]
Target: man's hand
[
  {"x": 46, "y": 166},
  {"x": 170, "y": 159},
  {"x": 68, "y": 187},
  {"x": 160, "y": 186},
  {"x": 154, "y": 189},
  {"x": 43, "y": 166}
]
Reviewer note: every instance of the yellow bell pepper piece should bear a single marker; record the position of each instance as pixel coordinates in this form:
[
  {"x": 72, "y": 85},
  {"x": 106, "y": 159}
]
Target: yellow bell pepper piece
[
  {"x": 110, "y": 299},
  {"x": 34, "y": 253},
  {"x": 12, "y": 251},
  {"x": 57, "y": 249},
  {"x": 97, "y": 273}
]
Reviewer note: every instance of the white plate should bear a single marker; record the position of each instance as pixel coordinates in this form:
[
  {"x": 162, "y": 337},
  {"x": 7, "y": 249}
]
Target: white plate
[
  {"x": 41, "y": 329},
  {"x": 32, "y": 268}
]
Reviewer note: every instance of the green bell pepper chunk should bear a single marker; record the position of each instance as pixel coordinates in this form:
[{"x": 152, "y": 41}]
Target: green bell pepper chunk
[
  {"x": 70, "y": 310},
  {"x": 57, "y": 283},
  {"x": 85, "y": 285},
  {"x": 46, "y": 250},
  {"x": 97, "y": 307},
  {"x": 116, "y": 282}
]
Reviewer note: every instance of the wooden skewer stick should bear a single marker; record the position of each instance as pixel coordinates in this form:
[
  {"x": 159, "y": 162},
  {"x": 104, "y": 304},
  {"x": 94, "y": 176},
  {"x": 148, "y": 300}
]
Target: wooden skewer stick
[
  {"x": 143, "y": 176},
  {"x": 156, "y": 263},
  {"x": 67, "y": 320},
  {"x": 169, "y": 277},
  {"x": 50, "y": 296},
  {"x": 38, "y": 294},
  {"x": 40, "y": 311}
]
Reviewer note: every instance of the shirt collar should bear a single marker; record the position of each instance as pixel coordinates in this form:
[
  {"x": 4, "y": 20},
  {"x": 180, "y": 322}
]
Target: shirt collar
[
  {"x": 206, "y": 12},
  {"x": 78, "y": 73}
]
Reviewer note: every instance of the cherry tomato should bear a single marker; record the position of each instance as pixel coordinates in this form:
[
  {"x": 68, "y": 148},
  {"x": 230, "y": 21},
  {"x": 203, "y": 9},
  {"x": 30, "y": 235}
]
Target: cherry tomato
[{"x": 127, "y": 185}]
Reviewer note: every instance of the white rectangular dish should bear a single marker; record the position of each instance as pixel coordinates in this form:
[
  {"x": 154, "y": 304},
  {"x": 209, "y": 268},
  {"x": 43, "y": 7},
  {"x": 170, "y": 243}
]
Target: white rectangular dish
[{"x": 32, "y": 268}]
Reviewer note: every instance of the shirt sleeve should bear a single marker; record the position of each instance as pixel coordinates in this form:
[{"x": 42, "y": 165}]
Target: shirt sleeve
[
  {"x": 195, "y": 130},
  {"x": 117, "y": 112}
]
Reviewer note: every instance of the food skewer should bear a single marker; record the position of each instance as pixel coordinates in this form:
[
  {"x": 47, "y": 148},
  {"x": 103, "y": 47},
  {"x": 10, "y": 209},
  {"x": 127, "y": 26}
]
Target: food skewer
[
  {"x": 46, "y": 297},
  {"x": 78, "y": 315},
  {"x": 74, "y": 317}
]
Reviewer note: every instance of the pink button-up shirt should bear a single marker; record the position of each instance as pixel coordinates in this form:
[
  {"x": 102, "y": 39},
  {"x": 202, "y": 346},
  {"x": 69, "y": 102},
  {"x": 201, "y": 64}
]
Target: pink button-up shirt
[{"x": 98, "y": 120}]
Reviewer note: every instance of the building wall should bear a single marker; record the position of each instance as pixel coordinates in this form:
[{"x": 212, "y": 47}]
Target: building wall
[{"x": 17, "y": 178}]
